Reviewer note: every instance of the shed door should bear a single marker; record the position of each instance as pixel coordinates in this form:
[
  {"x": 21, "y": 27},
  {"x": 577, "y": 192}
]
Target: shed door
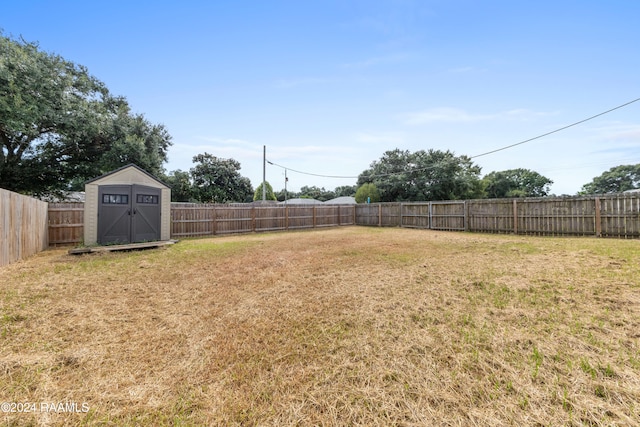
[
  {"x": 145, "y": 220},
  {"x": 128, "y": 214},
  {"x": 114, "y": 214}
]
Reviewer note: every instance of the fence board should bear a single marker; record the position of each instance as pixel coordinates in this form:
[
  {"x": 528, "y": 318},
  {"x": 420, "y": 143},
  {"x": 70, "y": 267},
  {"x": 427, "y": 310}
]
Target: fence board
[{"x": 23, "y": 226}]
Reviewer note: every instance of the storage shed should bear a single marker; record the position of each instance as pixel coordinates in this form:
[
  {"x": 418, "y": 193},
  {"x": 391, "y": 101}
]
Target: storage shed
[{"x": 127, "y": 205}]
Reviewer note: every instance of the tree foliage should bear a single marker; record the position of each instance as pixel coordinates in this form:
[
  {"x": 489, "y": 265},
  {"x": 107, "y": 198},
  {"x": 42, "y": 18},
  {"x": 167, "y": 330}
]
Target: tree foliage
[
  {"x": 182, "y": 189},
  {"x": 516, "y": 183},
  {"x": 269, "y": 194},
  {"x": 367, "y": 192},
  {"x": 345, "y": 190},
  {"x": 424, "y": 175},
  {"x": 615, "y": 180},
  {"x": 314, "y": 192},
  {"x": 217, "y": 180},
  {"x": 60, "y": 126}
]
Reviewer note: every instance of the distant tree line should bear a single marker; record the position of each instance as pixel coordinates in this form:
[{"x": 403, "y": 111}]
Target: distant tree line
[{"x": 60, "y": 126}]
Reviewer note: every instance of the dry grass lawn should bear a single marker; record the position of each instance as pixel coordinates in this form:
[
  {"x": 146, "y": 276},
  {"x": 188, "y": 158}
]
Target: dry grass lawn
[{"x": 343, "y": 326}]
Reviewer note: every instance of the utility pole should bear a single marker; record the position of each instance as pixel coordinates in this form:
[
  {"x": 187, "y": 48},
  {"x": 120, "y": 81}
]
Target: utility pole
[
  {"x": 264, "y": 173},
  {"x": 285, "y": 185}
]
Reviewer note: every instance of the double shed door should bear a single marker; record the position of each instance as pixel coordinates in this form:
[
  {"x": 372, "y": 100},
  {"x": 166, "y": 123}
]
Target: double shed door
[{"x": 128, "y": 214}]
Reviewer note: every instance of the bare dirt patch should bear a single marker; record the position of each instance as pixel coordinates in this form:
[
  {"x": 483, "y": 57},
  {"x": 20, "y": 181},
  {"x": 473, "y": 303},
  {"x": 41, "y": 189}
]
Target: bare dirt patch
[{"x": 347, "y": 326}]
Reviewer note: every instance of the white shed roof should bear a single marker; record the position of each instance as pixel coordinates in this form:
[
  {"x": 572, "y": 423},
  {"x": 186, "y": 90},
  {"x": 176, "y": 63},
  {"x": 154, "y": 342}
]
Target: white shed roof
[{"x": 129, "y": 174}]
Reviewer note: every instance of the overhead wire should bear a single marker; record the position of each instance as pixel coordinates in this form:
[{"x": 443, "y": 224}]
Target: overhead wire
[
  {"x": 557, "y": 130},
  {"x": 471, "y": 157}
]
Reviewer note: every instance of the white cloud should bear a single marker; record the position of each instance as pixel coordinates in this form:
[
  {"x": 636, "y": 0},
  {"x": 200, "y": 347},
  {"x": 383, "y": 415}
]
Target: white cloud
[{"x": 619, "y": 132}]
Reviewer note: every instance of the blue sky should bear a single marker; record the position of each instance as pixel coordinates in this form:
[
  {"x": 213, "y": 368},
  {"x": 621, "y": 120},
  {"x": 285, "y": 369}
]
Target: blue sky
[{"x": 329, "y": 86}]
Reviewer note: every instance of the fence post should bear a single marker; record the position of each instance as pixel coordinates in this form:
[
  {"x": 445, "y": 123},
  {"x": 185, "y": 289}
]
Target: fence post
[
  {"x": 253, "y": 218},
  {"x": 314, "y": 217},
  {"x": 286, "y": 216},
  {"x": 515, "y": 216},
  {"x": 379, "y": 214},
  {"x": 338, "y": 215},
  {"x": 598, "y": 218},
  {"x": 401, "y": 207},
  {"x": 214, "y": 220},
  {"x": 430, "y": 216},
  {"x": 465, "y": 220}
]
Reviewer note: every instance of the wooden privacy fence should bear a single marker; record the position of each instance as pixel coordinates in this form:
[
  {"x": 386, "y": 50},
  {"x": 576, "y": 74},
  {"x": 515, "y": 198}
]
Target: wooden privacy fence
[
  {"x": 191, "y": 219},
  {"x": 66, "y": 220},
  {"x": 615, "y": 215},
  {"x": 66, "y": 223},
  {"x": 23, "y": 226}
]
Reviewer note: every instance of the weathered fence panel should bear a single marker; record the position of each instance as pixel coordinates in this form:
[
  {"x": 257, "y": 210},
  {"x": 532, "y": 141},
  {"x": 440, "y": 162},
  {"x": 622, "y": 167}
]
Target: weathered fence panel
[
  {"x": 192, "y": 219},
  {"x": 23, "y": 226},
  {"x": 490, "y": 216},
  {"x": 620, "y": 215},
  {"x": 556, "y": 217},
  {"x": 415, "y": 215},
  {"x": 616, "y": 215},
  {"x": 368, "y": 214},
  {"x": 448, "y": 216},
  {"x": 390, "y": 215},
  {"x": 300, "y": 216},
  {"x": 346, "y": 214},
  {"x": 270, "y": 218},
  {"x": 66, "y": 223},
  {"x": 235, "y": 219}
]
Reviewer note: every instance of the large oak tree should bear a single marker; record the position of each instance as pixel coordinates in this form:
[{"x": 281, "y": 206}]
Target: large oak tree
[
  {"x": 59, "y": 125},
  {"x": 217, "y": 180},
  {"x": 615, "y": 180},
  {"x": 423, "y": 176},
  {"x": 516, "y": 183}
]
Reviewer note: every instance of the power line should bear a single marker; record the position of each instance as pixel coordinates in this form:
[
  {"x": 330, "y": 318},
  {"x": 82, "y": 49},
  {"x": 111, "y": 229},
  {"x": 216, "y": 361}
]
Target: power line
[
  {"x": 472, "y": 157},
  {"x": 309, "y": 173},
  {"x": 431, "y": 166},
  {"x": 555, "y": 131}
]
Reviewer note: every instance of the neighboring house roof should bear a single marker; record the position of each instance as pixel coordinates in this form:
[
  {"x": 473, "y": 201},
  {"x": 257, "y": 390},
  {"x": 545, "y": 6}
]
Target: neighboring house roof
[
  {"x": 344, "y": 200},
  {"x": 65, "y": 197},
  {"x": 303, "y": 202}
]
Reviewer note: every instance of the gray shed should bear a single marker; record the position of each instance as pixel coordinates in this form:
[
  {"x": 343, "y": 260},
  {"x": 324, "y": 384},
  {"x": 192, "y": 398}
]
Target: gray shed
[{"x": 127, "y": 205}]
